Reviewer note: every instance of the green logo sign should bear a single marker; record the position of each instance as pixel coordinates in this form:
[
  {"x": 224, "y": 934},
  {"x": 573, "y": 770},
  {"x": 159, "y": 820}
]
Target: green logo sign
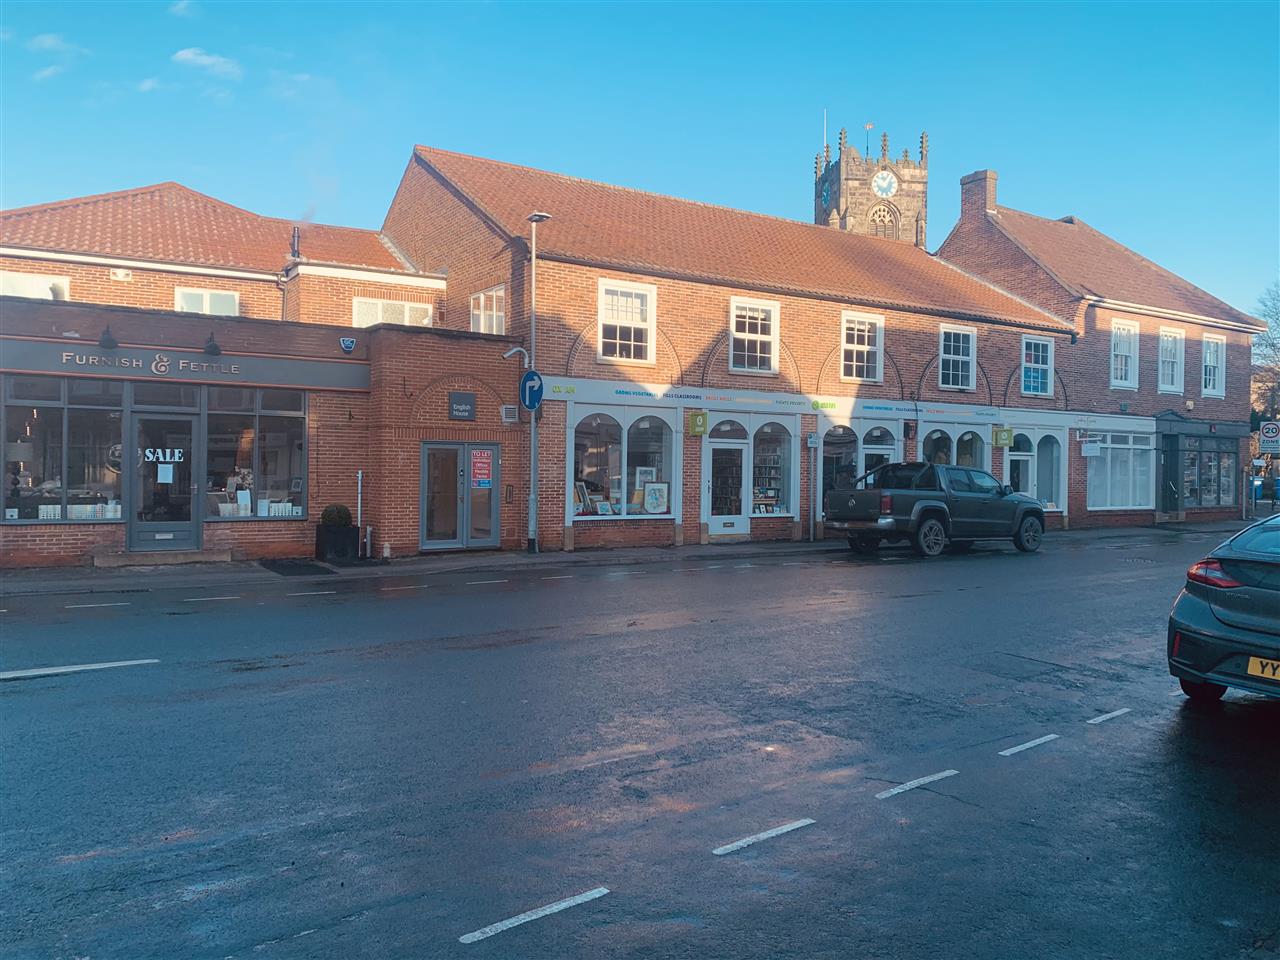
[
  {"x": 1002, "y": 437},
  {"x": 697, "y": 423}
]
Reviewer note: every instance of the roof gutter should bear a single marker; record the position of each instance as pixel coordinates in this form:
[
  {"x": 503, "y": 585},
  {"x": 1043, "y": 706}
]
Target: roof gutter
[
  {"x": 1167, "y": 314},
  {"x": 136, "y": 263}
]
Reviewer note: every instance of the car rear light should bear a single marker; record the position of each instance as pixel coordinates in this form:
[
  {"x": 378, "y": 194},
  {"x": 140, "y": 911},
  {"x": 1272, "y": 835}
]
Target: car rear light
[
  {"x": 886, "y": 503},
  {"x": 1210, "y": 573},
  {"x": 1177, "y": 642}
]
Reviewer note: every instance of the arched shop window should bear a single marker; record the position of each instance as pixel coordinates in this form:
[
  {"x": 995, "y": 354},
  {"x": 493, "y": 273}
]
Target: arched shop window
[
  {"x": 937, "y": 447},
  {"x": 878, "y": 448},
  {"x": 839, "y": 458},
  {"x": 1049, "y": 471},
  {"x": 597, "y": 466},
  {"x": 1021, "y": 467},
  {"x": 969, "y": 452},
  {"x": 648, "y": 467},
  {"x": 771, "y": 470},
  {"x": 728, "y": 430}
]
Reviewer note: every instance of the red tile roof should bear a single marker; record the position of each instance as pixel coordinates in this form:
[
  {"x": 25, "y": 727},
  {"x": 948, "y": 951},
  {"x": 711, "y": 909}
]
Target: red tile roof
[
  {"x": 171, "y": 223},
  {"x": 646, "y": 232},
  {"x": 1089, "y": 263}
]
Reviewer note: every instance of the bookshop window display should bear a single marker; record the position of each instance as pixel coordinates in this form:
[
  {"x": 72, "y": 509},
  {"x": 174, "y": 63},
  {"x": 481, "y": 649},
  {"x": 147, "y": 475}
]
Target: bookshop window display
[
  {"x": 771, "y": 471},
  {"x": 623, "y": 465}
]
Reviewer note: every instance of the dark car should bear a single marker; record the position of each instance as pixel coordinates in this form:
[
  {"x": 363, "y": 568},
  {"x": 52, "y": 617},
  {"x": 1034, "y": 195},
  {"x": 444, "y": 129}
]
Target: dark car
[{"x": 1224, "y": 629}]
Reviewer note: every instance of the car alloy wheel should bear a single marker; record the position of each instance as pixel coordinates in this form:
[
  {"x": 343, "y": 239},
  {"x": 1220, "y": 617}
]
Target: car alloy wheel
[
  {"x": 1030, "y": 533},
  {"x": 931, "y": 538}
]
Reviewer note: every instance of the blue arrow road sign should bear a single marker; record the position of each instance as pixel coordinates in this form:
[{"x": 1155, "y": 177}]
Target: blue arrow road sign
[{"x": 531, "y": 390}]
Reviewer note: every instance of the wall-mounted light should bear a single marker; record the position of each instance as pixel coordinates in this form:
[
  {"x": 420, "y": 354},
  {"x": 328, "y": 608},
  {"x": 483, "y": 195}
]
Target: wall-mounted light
[
  {"x": 211, "y": 347},
  {"x": 108, "y": 341}
]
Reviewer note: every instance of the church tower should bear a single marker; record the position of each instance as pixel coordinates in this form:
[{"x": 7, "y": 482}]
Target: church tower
[{"x": 879, "y": 196}]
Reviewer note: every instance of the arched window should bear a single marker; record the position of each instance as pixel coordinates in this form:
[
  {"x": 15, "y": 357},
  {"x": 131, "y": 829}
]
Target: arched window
[
  {"x": 771, "y": 470},
  {"x": 969, "y": 451},
  {"x": 648, "y": 467},
  {"x": 878, "y": 448},
  {"x": 597, "y": 466},
  {"x": 839, "y": 458},
  {"x": 884, "y": 222},
  {"x": 937, "y": 447},
  {"x": 1049, "y": 471},
  {"x": 728, "y": 430}
]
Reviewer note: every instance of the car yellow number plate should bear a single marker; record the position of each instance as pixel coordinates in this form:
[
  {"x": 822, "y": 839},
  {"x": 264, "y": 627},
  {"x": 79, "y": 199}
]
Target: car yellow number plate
[{"x": 1267, "y": 669}]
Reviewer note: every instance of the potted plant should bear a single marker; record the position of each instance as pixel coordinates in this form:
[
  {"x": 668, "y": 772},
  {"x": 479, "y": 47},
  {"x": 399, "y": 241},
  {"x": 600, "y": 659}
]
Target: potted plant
[{"x": 337, "y": 541}]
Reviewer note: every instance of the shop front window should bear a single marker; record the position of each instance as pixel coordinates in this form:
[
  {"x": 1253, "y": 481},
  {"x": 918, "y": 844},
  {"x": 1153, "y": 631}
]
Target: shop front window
[
  {"x": 93, "y": 464},
  {"x": 255, "y": 454},
  {"x": 1049, "y": 471},
  {"x": 33, "y": 463},
  {"x": 879, "y": 447},
  {"x": 1021, "y": 463},
  {"x": 1209, "y": 468},
  {"x": 1120, "y": 473},
  {"x": 597, "y": 466},
  {"x": 648, "y": 467},
  {"x": 229, "y": 465},
  {"x": 969, "y": 451},
  {"x": 278, "y": 489},
  {"x": 771, "y": 470},
  {"x": 839, "y": 458},
  {"x": 937, "y": 447}
]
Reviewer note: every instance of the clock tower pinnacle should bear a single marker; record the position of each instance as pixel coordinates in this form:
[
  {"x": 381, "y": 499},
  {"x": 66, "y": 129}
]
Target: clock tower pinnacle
[{"x": 876, "y": 196}]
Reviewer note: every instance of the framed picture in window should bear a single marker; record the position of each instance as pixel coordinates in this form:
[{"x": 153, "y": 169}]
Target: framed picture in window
[
  {"x": 604, "y": 508},
  {"x": 295, "y": 485},
  {"x": 581, "y": 496},
  {"x": 645, "y": 475},
  {"x": 657, "y": 497}
]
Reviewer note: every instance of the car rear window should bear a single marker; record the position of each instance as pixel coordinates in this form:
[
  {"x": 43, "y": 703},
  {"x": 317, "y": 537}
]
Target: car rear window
[
  {"x": 1262, "y": 538},
  {"x": 895, "y": 476}
]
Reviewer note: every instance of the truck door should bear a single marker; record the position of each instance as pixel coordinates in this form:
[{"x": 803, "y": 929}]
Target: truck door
[
  {"x": 966, "y": 504},
  {"x": 997, "y": 509}
]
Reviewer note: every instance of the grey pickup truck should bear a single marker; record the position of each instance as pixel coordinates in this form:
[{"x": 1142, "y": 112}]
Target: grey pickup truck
[{"x": 931, "y": 506}]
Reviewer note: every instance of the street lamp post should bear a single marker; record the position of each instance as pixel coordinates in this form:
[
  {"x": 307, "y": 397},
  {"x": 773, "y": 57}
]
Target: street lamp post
[{"x": 534, "y": 219}]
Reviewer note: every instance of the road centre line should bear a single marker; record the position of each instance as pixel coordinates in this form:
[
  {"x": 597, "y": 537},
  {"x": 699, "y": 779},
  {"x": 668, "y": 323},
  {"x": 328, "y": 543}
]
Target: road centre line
[
  {"x": 311, "y": 593},
  {"x": 515, "y": 921},
  {"x": 475, "y": 583},
  {"x": 1108, "y": 716},
  {"x": 756, "y": 838},
  {"x": 200, "y": 599},
  {"x": 85, "y": 606},
  {"x": 912, "y": 784},
  {"x": 563, "y": 576},
  {"x": 713, "y": 566},
  {"x": 420, "y": 586},
  {"x": 1028, "y": 745},
  {"x": 794, "y": 563},
  {"x": 75, "y": 668}
]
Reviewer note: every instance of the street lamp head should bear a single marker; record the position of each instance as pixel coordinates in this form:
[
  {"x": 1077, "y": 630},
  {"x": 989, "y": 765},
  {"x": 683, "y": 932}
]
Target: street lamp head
[{"x": 538, "y": 217}]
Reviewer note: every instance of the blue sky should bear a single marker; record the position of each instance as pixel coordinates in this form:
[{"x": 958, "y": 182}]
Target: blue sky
[{"x": 1156, "y": 123}]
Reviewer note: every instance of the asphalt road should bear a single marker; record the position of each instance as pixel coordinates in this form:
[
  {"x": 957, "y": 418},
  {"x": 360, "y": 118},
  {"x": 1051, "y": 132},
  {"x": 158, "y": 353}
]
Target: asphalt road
[{"x": 394, "y": 768}]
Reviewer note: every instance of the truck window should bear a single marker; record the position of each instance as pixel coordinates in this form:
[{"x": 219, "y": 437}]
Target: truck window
[
  {"x": 927, "y": 480},
  {"x": 958, "y": 480},
  {"x": 983, "y": 482},
  {"x": 894, "y": 476}
]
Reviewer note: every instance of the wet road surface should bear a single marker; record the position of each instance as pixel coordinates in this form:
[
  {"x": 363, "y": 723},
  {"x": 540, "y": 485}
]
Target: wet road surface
[{"x": 979, "y": 756}]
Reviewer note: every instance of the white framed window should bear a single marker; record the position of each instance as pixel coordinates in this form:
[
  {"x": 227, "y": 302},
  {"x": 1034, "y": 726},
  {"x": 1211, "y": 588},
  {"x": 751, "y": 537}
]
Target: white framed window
[
  {"x": 489, "y": 310},
  {"x": 1037, "y": 366},
  {"x": 219, "y": 303},
  {"x": 862, "y": 347},
  {"x": 34, "y": 286},
  {"x": 625, "y": 322},
  {"x": 1213, "y": 380},
  {"x": 367, "y": 311},
  {"x": 753, "y": 335},
  {"x": 957, "y": 357},
  {"x": 625, "y": 464},
  {"x": 1121, "y": 473},
  {"x": 1124, "y": 355},
  {"x": 1172, "y": 351}
]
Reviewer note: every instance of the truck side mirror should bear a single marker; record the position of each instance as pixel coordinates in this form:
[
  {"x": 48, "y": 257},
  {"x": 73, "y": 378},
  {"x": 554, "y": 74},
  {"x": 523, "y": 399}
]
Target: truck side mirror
[{"x": 1006, "y": 490}]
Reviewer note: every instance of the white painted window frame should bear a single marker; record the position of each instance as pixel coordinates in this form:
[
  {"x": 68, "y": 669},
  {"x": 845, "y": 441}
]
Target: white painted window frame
[
  {"x": 33, "y": 280},
  {"x": 1048, "y": 367},
  {"x": 1221, "y": 390},
  {"x": 484, "y": 307},
  {"x": 1127, "y": 327},
  {"x": 381, "y": 303},
  {"x": 851, "y": 318},
  {"x": 205, "y": 293},
  {"x": 972, "y": 333},
  {"x": 626, "y": 416},
  {"x": 1106, "y": 443},
  {"x": 772, "y": 339},
  {"x": 606, "y": 284},
  {"x": 1180, "y": 339}
]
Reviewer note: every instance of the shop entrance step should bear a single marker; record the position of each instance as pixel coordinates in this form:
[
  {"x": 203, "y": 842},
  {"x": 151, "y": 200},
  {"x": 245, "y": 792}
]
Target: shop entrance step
[{"x": 160, "y": 558}]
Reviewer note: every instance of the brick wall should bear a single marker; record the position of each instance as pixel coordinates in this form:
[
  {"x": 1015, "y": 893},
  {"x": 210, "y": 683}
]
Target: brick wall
[{"x": 328, "y": 300}]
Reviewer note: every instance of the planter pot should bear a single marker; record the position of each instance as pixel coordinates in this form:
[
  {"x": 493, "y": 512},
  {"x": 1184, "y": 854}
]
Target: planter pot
[{"x": 337, "y": 544}]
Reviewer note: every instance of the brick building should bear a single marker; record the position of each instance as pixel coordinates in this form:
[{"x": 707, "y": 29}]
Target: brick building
[{"x": 708, "y": 371}]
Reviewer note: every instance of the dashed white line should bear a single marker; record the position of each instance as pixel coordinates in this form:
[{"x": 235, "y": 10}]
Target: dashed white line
[
  {"x": 794, "y": 563},
  {"x": 86, "y": 606},
  {"x": 625, "y": 573},
  {"x": 1028, "y": 745},
  {"x": 563, "y": 576},
  {"x": 756, "y": 838},
  {"x": 912, "y": 784},
  {"x": 476, "y": 583},
  {"x": 311, "y": 593},
  {"x": 550, "y": 908},
  {"x": 685, "y": 569},
  {"x": 75, "y": 668},
  {"x": 200, "y": 599},
  {"x": 713, "y": 566},
  {"x": 419, "y": 586},
  {"x": 742, "y": 566},
  {"x": 1108, "y": 716}
]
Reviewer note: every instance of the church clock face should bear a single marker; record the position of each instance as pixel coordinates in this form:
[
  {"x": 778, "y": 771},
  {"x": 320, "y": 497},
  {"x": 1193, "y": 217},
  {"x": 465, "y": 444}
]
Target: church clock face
[{"x": 884, "y": 184}]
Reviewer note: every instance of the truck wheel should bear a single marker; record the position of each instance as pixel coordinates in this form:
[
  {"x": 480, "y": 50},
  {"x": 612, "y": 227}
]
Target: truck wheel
[
  {"x": 1030, "y": 533},
  {"x": 864, "y": 544},
  {"x": 930, "y": 538}
]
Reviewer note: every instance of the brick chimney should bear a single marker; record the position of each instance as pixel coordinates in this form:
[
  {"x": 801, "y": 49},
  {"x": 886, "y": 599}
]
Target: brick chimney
[{"x": 977, "y": 193}]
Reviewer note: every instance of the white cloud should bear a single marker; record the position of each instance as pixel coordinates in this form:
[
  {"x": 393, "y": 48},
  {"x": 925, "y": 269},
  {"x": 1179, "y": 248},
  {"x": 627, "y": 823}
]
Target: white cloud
[
  {"x": 53, "y": 43},
  {"x": 147, "y": 85},
  {"x": 46, "y": 73},
  {"x": 182, "y": 8},
  {"x": 212, "y": 63}
]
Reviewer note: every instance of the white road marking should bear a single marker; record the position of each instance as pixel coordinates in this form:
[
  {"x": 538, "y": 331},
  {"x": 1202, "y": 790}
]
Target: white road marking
[
  {"x": 475, "y": 583},
  {"x": 1108, "y": 716},
  {"x": 625, "y": 573},
  {"x": 713, "y": 566},
  {"x": 76, "y": 668},
  {"x": 1028, "y": 745},
  {"x": 756, "y": 838},
  {"x": 420, "y": 586},
  {"x": 85, "y": 606},
  {"x": 685, "y": 569},
  {"x": 550, "y": 908},
  {"x": 794, "y": 563},
  {"x": 311, "y": 593},
  {"x": 742, "y": 566},
  {"x": 199, "y": 599},
  {"x": 563, "y": 576},
  {"x": 912, "y": 784}
]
